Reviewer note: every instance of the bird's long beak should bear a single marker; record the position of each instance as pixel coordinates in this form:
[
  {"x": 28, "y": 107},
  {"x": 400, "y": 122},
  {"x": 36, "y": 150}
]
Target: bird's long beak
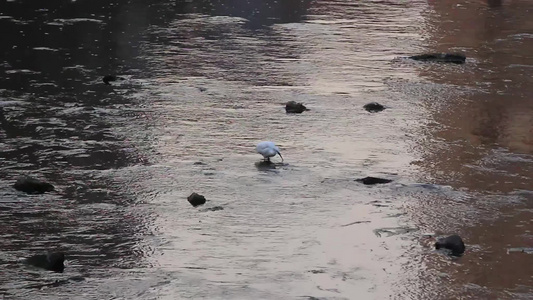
[{"x": 280, "y": 156}]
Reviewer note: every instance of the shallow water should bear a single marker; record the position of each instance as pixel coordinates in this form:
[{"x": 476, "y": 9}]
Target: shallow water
[{"x": 204, "y": 82}]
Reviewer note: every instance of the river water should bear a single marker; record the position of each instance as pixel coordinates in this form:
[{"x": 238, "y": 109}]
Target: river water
[{"x": 204, "y": 82}]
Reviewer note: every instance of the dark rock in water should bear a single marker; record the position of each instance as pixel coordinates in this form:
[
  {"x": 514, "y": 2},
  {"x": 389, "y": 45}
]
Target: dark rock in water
[
  {"x": 292, "y": 107},
  {"x": 51, "y": 261},
  {"x": 196, "y": 199},
  {"x": 31, "y": 185},
  {"x": 441, "y": 57},
  {"x": 454, "y": 243},
  {"x": 374, "y": 107},
  {"x": 317, "y": 271},
  {"x": 373, "y": 180},
  {"x": 109, "y": 78}
]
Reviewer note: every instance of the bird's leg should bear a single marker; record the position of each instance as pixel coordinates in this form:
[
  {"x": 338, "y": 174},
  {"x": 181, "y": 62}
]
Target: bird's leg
[{"x": 268, "y": 159}]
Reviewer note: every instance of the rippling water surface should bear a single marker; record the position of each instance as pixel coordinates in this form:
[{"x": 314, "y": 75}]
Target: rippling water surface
[{"x": 204, "y": 81}]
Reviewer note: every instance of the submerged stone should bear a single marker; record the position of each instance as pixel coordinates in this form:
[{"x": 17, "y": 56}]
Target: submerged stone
[
  {"x": 196, "y": 199},
  {"x": 108, "y": 78},
  {"x": 32, "y": 185},
  {"x": 373, "y": 107},
  {"x": 51, "y": 261},
  {"x": 214, "y": 208},
  {"x": 373, "y": 180},
  {"x": 454, "y": 58},
  {"x": 292, "y": 107},
  {"x": 390, "y": 231},
  {"x": 520, "y": 250},
  {"x": 454, "y": 243}
]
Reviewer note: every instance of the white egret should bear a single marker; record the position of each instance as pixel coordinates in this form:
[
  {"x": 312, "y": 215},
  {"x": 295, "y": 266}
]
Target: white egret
[{"x": 268, "y": 150}]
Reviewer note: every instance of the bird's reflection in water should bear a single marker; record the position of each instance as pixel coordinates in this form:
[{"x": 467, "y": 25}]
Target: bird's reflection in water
[{"x": 266, "y": 165}]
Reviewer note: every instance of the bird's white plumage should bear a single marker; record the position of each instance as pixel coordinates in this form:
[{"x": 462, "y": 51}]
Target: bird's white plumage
[{"x": 268, "y": 149}]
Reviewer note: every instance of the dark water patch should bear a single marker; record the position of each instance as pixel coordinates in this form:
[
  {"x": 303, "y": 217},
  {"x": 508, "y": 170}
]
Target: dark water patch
[
  {"x": 214, "y": 208},
  {"x": 56, "y": 283}
]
